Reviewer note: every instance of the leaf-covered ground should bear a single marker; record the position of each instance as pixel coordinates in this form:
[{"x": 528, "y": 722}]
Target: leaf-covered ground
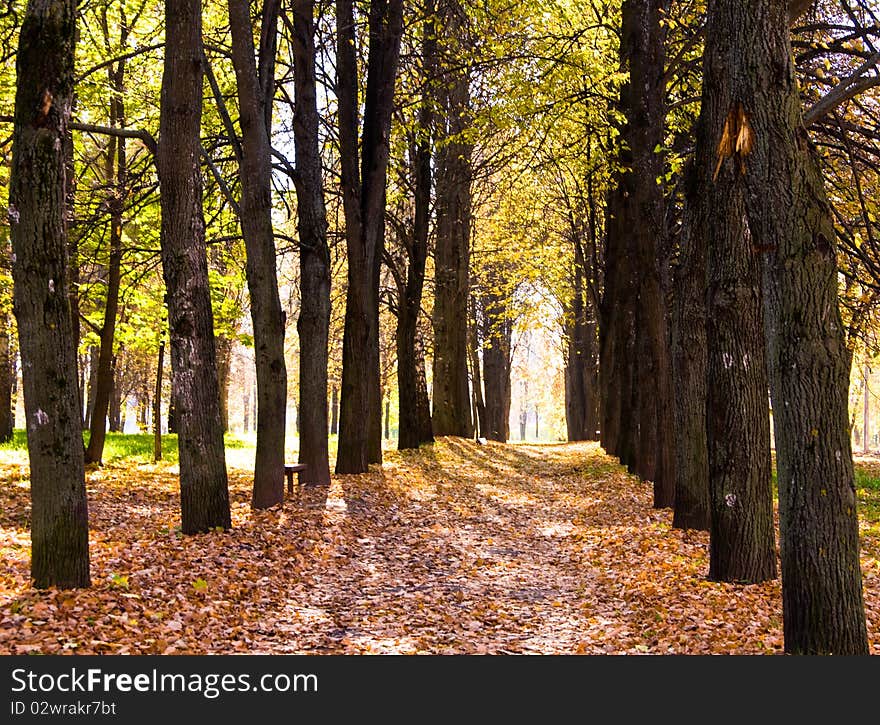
[{"x": 455, "y": 549}]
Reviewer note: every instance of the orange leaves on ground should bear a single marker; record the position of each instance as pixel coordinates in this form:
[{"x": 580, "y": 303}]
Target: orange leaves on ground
[{"x": 457, "y": 548}]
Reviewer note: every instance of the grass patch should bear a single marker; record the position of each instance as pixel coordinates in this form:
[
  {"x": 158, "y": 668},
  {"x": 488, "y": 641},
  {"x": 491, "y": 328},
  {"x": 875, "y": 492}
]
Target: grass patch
[
  {"x": 135, "y": 447},
  {"x": 868, "y": 492}
]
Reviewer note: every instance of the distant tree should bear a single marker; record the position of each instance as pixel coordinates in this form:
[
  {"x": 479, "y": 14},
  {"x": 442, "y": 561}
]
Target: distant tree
[{"x": 37, "y": 194}]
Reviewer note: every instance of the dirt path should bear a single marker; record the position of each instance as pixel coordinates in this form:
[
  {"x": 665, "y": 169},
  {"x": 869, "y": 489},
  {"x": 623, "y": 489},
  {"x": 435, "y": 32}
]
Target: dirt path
[{"x": 455, "y": 549}]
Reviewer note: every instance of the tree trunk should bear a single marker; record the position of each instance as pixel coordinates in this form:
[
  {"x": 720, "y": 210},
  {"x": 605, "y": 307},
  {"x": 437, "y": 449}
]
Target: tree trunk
[
  {"x": 479, "y": 413},
  {"x": 387, "y": 419},
  {"x": 157, "y": 405},
  {"x": 617, "y": 342},
  {"x": 452, "y": 398},
  {"x": 93, "y": 384},
  {"x": 7, "y": 412},
  {"x": 866, "y": 415},
  {"x": 497, "y": 332},
  {"x": 44, "y": 92},
  {"x": 412, "y": 424},
  {"x": 314, "y": 317},
  {"x": 689, "y": 355},
  {"x": 363, "y": 193},
  {"x": 791, "y": 224},
  {"x": 204, "y": 495},
  {"x": 114, "y": 418},
  {"x": 254, "y": 103},
  {"x": 116, "y": 173},
  {"x": 223, "y": 350},
  {"x": 642, "y": 100},
  {"x": 738, "y": 436},
  {"x": 423, "y": 402},
  {"x": 334, "y": 409}
]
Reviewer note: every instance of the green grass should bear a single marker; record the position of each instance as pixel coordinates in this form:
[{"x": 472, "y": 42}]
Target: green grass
[
  {"x": 868, "y": 492},
  {"x": 136, "y": 447}
]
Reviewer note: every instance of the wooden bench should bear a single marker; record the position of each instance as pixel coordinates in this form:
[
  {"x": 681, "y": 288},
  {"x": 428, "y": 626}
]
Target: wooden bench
[{"x": 289, "y": 470}]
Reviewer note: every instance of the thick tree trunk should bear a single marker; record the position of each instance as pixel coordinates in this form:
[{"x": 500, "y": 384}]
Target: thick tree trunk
[
  {"x": 44, "y": 93},
  {"x": 314, "y": 317},
  {"x": 259, "y": 242},
  {"x": 363, "y": 194},
  {"x": 791, "y": 223},
  {"x": 204, "y": 495},
  {"x": 617, "y": 333},
  {"x": 738, "y": 436},
  {"x": 689, "y": 355},
  {"x": 642, "y": 100},
  {"x": 742, "y": 547},
  {"x": 452, "y": 398}
]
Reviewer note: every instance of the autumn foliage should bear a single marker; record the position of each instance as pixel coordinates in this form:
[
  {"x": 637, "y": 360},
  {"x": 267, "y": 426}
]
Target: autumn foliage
[{"x": 456, "y": 548}]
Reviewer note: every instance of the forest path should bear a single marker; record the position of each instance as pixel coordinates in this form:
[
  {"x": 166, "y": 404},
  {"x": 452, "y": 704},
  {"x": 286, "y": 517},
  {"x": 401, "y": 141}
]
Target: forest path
[
  {"x": 456, "y": 548},
  {"x": 512, "y": 549}
]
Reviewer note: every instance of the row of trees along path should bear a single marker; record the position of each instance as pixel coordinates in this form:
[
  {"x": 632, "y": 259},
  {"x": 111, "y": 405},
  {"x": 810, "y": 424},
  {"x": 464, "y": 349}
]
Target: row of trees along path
[{"x": 700, "y": 268}]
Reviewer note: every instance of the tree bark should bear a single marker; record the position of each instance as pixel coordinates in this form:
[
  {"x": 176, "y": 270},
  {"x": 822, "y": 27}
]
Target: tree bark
[
  {"x": 116, "y": 178},
  {"x": 204, "y": 494},
  {"x": 412, "y": 425},
  {"x": 452, "y": 398},
  {"x": 157, "y": 405},
  {"x": 497, "y": 330},
  {"x": 689, "y": 360},
  {"x": 866, "y": 415},
  {"x": 259, "y": 241},
  {"x": 363, "y": 194},
  {"x": 642, "y": 100},
  {"x": 742, "y": 545},
  {"x": 791, "y": 223},
  {"x": 334, "y": 409},
  {"x": 314, "y": 317},
  {"x": 223, "y": 350},
  {"x": 38, "y": 179},
  {"x": 479, "y": 405}
]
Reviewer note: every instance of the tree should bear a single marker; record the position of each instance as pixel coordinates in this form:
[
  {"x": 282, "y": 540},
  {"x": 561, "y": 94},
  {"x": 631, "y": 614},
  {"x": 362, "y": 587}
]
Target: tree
[
  {"x": 204, "y": 495},
  {"x": 451, "y": 412},
  {"x": 314, "y": 317},
  {"x": 791, "y": 225},
  {"x": 363, "y": 193},
  {"x": 689, "y": 361},
  {"x": 415, "y": 425},
  {"x": 642, "y": 100},
  {"x": 116, "y": 170},
  {"x": 255, "y": 83},
  {"x": 37, "y": 194}
]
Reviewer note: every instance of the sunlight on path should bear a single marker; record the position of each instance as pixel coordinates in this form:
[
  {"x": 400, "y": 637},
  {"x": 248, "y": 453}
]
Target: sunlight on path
[{"x": 456, "y": 548}]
